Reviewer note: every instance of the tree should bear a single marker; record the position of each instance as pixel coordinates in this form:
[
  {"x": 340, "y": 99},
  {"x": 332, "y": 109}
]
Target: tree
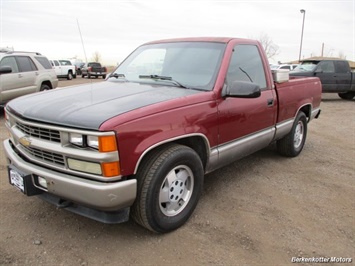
[
  {"x": 96, "y": 56},
  {"x": 271, "y": 49},
  {"x": 342, "y": 55}
]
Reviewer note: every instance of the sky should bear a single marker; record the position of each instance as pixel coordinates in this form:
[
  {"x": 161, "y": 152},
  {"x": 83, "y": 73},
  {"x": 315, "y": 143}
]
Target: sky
[{"x": 79, "y": 28}]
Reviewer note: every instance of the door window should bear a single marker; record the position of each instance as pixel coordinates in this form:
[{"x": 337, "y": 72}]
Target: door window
[
  {"x": 246, "y": 65},
  {"x": 342, "y": 66},
  {"x": 25, "y": 64},
  {"x": 326, "y": 67},
  {"x": 11, "y": 62}
]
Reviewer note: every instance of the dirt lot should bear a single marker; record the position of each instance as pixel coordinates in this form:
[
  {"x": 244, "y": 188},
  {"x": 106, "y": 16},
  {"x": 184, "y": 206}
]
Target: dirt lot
[{"x": 262, "y": 210}]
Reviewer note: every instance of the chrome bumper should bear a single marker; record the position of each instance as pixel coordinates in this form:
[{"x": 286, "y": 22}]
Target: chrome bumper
[{"x": 94, "y": 194}]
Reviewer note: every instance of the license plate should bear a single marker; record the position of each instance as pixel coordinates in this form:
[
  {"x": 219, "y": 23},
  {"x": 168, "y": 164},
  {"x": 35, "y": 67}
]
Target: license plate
[{"x": 17, "y": 180}]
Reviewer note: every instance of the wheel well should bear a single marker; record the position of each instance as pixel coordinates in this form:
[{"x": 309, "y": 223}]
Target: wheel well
[
  {"x": 306, "y": 110},
  {"x": 48, "y": 83},
  {"x": 197, "y": 143}
]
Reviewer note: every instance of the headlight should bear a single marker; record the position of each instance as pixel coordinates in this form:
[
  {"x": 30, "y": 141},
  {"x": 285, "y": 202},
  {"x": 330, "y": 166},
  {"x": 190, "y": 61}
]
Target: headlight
[
  {"x": 93, "y": 142},
  {"x": 76, "y": 139}
]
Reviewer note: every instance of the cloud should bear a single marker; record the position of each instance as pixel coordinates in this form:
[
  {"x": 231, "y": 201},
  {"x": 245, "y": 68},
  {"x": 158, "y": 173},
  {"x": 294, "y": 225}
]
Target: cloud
[{"x": 115, "y": 28}]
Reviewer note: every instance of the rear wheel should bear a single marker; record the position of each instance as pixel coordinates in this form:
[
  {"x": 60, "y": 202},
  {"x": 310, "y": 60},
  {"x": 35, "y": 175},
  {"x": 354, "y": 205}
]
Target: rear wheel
[
  {"x": 45, "y": 87},
  {"x": 89, "y": 76},
  {"x": 292, "y": 144},
  {"x": 70, "y": 75},
  {"x": 170, "y": 183},
  {"x": 347, "y": 95},
  {"x": 103, "y": 76}
]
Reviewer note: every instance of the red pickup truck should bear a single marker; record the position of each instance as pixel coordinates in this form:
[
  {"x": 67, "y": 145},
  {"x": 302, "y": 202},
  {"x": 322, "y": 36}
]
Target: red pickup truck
[{"x": 138, "y": 144}]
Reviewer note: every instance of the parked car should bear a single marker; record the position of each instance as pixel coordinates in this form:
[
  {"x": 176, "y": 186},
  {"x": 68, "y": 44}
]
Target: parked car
[
  {"x": 335, "y": 75},
  {"x": 93, "y": 69},
  {"x": 284, "y": 66},
  {"x": 64, "y": 68},
  {"x": 141, "y": 142},
  {"x": 23, "y": 73}
]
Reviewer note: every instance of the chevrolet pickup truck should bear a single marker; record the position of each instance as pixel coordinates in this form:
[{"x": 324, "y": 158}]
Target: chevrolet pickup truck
[
  {"x": 93, "y": 69},
  {"x": 334, "y": 74},
  {"x": 138, "y": 144}
]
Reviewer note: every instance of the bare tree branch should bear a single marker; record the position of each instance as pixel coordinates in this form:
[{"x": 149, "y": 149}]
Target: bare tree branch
[
  {"x": 96, "y": 57},
  {"x": 271, "y": 49}
]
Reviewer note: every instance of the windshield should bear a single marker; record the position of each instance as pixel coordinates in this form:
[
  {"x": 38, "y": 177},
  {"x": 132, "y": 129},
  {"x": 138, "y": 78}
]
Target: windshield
[
  {"x": 306, "y": 66},
  {"x": 184, "y": 64}
]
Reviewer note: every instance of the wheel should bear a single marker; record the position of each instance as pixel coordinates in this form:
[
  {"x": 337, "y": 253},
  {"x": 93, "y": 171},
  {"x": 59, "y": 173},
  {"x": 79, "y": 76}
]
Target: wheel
[
  {"x": 347, "y": 95},
  {"x": 292, "y": 144},
  {"x": 70, "y": 75},
  {"x": 82, "y": 75},
  {"x": 74, "y": 76},
  {"x": 170, "y": 183},
  {"x": 45, "y": 87},
  {"x": 103, "y": 76},
  {"x": 89, "y": 76}
]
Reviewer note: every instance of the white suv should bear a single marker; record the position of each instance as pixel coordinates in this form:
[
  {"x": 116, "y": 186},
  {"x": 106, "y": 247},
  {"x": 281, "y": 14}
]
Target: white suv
[{"x": 23, "y": 73}]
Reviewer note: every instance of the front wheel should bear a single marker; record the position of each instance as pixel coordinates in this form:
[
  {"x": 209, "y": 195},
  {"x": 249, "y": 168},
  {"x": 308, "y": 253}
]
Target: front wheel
[
  {"x": 347, "y": 95},
  {"x": 170, "y": 183},
  {"x": 292, "y": 144}
]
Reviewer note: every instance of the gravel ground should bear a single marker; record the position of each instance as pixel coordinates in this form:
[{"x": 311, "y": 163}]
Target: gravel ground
[{"x": 262, "y": 210}]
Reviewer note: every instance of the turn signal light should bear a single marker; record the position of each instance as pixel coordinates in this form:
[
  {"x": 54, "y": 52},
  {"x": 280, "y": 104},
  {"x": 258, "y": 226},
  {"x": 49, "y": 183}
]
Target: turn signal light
[
  {"x": 107, "y": 143},
  {"x": 111, "y": 169}
]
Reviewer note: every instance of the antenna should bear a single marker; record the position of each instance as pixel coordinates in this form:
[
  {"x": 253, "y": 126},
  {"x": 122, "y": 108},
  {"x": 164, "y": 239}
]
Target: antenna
[{"x": 82, "y": 42}]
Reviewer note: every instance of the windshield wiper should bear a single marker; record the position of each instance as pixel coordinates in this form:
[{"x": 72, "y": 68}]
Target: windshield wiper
[
  {"x": 163, "y": 78},
  {"x": 116, "y": 75}
]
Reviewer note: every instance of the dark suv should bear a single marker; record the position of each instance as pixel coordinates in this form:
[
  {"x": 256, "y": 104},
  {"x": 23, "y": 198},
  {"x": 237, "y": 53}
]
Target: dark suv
[{"x": 23, "y": 73}]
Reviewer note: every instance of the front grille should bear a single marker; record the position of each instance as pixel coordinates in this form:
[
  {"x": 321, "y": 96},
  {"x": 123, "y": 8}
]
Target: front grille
[
  {"x": 45, "y": 156},
  {"x": 39, "y": 132}
]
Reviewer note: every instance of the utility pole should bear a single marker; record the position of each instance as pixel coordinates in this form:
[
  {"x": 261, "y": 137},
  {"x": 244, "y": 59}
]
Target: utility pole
[{"x": 304, "y": 14}]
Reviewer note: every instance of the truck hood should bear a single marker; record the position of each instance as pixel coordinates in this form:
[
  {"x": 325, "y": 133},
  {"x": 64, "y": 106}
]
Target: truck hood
[{"x": 88, "y": 106}]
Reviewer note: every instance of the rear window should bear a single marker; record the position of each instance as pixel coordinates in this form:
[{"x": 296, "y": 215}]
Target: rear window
[
  {"x": 65, "y": 62},
  {"x": 44, "y": 62},
  {"x": 94, "y": 64}
]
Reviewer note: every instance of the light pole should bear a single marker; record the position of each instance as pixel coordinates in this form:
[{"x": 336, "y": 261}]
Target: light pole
[{"x": 304, "y": 15}]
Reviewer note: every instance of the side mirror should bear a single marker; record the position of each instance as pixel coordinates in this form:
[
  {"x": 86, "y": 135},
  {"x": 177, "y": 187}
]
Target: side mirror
[
  {"x": 5, "y": 70},
  {"x": 242, "y": 89}
]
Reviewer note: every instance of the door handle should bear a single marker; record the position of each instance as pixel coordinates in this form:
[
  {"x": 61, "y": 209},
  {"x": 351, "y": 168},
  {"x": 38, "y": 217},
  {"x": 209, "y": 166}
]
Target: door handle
[{"x": 270, "y": 102}]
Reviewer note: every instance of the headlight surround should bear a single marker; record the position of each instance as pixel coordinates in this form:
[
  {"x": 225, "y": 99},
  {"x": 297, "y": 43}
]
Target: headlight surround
[{"x": 101, "y": 143}]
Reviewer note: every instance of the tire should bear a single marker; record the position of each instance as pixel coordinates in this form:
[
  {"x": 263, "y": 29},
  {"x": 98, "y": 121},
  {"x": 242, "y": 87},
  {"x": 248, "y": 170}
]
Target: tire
[
  {"x": 82, "y": 75},
  {"x": 103, "y": 76},
  {"x": 89, "y": 76},
  {"x": 70, "y": 75},
  {"x": 347, "y": 95},
  {"x": 74, "y": 76},
  {"x": 45, "y": 87},
  {"x": 292, "y": 144},
  {"x": 170, "y": 182}
]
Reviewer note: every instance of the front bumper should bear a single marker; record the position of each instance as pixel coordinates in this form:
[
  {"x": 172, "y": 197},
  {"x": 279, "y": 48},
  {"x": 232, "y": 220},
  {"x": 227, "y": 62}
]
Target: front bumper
[{"x": 93, "y": 194}]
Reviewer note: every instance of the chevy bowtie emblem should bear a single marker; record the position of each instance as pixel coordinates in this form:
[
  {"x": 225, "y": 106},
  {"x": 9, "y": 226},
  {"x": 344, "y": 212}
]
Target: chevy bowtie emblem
[{"x": 25, "y": 141}]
